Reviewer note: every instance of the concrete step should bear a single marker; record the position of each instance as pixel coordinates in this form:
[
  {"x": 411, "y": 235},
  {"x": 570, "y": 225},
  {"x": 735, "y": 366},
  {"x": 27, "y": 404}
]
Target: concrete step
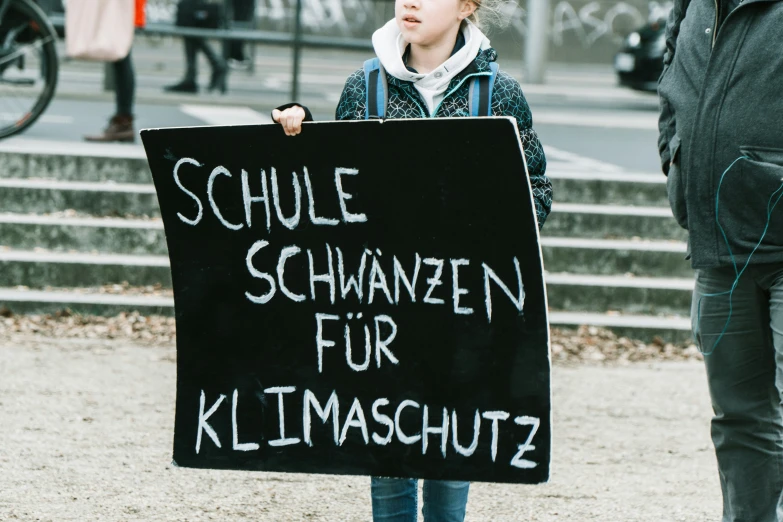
[
  {"x": 109, "y": 199},
  {"x": 75, "y": 228},
  {"x": 612, "y": 221},
  {"x": 622, "y": 294},
  {"x": 73, "y": 161},
  {"x": 107, "y": 242},
  {"x": 79, "y": 301},
  {"x": 644, "y": 258},
  {"x": 82, "y": 301},
  {"x": 574, "y": 300},
  {"x": 566, "y": 291},
  {"x": 110, "y": 238},
  {"x": 25, "y": 301},
  {"x": 44, "y": 196},
  {"x": 39, "y": 269},
  {"x": 144, "y": 243},
  {"x": 643, "y": 327},
  {"x": 61, "y": 221},
  {"x": 119, "y": 163},
  {"x": 609, "y": 188},
  {"x": 63, "y": 233}
]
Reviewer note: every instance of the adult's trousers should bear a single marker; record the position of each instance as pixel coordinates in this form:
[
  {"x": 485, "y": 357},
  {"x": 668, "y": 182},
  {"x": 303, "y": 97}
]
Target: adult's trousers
[{"x": 738, "y": 323}]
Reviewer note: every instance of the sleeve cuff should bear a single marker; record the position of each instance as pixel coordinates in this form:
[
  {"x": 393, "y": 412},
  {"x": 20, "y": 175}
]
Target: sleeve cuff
[{"x": 308, "y": 114}]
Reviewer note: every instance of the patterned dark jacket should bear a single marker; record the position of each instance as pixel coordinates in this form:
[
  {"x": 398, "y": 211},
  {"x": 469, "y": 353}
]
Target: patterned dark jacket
[{"x": 507, "y": 100}]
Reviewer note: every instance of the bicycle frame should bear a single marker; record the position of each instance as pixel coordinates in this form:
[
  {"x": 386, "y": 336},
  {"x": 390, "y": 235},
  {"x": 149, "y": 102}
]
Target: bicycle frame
[
  {"x": 44, "y": 5},
  {"x": 28, "y": 84},
  {"x": 3, "y": 8},
  {"x": 5, "y": 57},
  {"x": 35, "y": 4}
]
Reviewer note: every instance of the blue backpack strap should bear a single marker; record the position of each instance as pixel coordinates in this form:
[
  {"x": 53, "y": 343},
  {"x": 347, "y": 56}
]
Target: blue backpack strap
[
  {"x": 480, "y": 96},
  {"x": 375, "y": 85}
]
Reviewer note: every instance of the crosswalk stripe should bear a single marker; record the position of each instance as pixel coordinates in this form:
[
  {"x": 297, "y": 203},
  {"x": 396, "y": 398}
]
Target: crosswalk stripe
[
  {"x": 225, "y": 115},
  {"x": 569, "y": 161},
  {"x": 640, "y": 120},
  {"x": 45, "y": 118}
]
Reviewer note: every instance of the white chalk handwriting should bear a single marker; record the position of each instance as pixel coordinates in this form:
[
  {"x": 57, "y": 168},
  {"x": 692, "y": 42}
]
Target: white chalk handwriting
[{"x": 412, "y": 423}]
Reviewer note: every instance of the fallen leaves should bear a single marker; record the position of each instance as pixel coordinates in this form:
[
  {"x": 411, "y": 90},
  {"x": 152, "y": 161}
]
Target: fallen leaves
[{"x": 585, "y": 345}]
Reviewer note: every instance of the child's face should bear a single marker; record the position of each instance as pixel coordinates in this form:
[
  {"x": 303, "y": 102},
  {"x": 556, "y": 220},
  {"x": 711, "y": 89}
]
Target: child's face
[{"x": 428, "y": 23}]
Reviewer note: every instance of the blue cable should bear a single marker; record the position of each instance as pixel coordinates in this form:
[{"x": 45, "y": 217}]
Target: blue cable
[{"x": 738, "y": 273}]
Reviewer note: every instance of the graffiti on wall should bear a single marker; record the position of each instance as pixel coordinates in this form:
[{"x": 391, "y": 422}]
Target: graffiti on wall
[
  {"x": 586, "y": 22},
  {"x": 160, "y": 11},
  {"x": 340, "y": 16},
  {"x": 594, "y": 21}
]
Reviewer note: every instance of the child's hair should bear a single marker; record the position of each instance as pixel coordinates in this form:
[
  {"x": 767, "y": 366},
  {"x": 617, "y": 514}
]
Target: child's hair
[{"x": 492, "y": 14}]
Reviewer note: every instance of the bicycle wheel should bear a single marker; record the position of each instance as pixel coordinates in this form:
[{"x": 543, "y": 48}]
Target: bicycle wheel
[{"x": 28, "y": 66}]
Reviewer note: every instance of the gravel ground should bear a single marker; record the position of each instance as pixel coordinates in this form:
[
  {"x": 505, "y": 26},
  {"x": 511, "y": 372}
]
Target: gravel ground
[{"x": 86, "y": 425}]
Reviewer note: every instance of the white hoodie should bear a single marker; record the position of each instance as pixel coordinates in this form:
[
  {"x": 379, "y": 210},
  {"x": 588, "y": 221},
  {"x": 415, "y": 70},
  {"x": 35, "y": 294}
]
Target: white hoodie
[{"x": 390, "y": 46}]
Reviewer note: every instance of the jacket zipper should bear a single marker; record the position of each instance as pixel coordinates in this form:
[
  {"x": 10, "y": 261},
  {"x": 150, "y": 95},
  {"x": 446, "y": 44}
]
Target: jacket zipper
[
  {"x": 421, "y": 109},
  {"x": 488, "y": 73},
  {"x": 715, "y": 30},
  {"x": 717, "y": 17}
]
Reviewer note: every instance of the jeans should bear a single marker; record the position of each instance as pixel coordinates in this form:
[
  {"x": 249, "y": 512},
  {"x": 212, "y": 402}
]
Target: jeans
[
  {"x": 745, "y": 378},
  {"x": 395, "y": 500}
]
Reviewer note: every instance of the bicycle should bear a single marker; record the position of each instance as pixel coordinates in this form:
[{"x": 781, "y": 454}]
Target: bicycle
[{"x": 28, "y": 65}]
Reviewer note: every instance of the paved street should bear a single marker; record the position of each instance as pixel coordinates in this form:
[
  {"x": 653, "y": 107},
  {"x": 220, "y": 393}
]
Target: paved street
[{"x": 580, "y": 109}]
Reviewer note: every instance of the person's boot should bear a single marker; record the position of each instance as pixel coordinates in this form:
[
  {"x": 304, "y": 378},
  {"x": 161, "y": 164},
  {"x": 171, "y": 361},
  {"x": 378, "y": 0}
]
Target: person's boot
[
  {"x": 120, "y": 128},
  {"x": 185, "y": 86},
  {"x": 219, "y": 76},
  {"x": 188, "y": 83},
  {"x": 218, "y": 81}
]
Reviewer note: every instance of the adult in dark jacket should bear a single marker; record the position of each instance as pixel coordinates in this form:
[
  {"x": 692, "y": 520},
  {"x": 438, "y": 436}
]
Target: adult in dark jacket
[{"x": 721, "y": 144}]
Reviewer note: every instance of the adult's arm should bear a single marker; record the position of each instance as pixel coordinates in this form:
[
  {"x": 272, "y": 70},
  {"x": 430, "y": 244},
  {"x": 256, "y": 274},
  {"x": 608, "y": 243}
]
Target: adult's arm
[{"x": 667, "y": 127}]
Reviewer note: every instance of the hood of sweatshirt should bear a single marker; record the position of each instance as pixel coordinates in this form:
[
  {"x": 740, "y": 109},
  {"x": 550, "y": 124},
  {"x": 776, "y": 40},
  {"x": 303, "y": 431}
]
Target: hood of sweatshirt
[{"x": 390, "y": 46}]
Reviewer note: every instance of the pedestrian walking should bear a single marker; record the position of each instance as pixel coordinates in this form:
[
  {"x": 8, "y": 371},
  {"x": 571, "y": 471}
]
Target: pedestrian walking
[
  {"x": 205, "y": 14},
  {"x": 234, "y": 50},
  {"x": 721, "y": 145},
  {"x": 105, "y": 32},
  {"x": 430, "y": 54}
]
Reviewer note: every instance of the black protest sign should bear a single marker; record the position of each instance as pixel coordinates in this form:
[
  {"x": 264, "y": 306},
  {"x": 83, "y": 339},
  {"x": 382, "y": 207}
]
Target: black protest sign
[{"x": 364, "y": 298}]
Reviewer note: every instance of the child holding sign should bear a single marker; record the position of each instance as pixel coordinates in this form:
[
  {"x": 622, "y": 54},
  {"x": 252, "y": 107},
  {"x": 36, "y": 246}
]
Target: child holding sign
[{"x": 434, "y": 61}]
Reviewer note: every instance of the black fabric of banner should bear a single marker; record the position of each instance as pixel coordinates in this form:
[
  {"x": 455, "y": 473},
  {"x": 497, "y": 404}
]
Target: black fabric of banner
[{"x": 449, "y": 196}]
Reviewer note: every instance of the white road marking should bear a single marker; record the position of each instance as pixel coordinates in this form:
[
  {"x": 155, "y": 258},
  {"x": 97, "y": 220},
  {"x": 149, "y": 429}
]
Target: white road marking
[
  {"x": 576, "y": 89},
  {"x": 23, "y": 145},
  {"x": 562, "y": 160},
  {"x": 640, "y": 120},
  {"x": 45, "y": 118},
  {"x": 225, "y": 115}
]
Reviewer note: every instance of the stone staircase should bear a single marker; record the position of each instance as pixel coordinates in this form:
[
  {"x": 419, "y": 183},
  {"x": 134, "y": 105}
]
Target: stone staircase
[
  {"x": 613, "y": 253},
  {"x": 80, "y": 229}
]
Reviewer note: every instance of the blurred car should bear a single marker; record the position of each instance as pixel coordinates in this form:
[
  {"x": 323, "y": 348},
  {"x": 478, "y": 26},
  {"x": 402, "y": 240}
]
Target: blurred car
[{"x": 640, "y": 61}]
